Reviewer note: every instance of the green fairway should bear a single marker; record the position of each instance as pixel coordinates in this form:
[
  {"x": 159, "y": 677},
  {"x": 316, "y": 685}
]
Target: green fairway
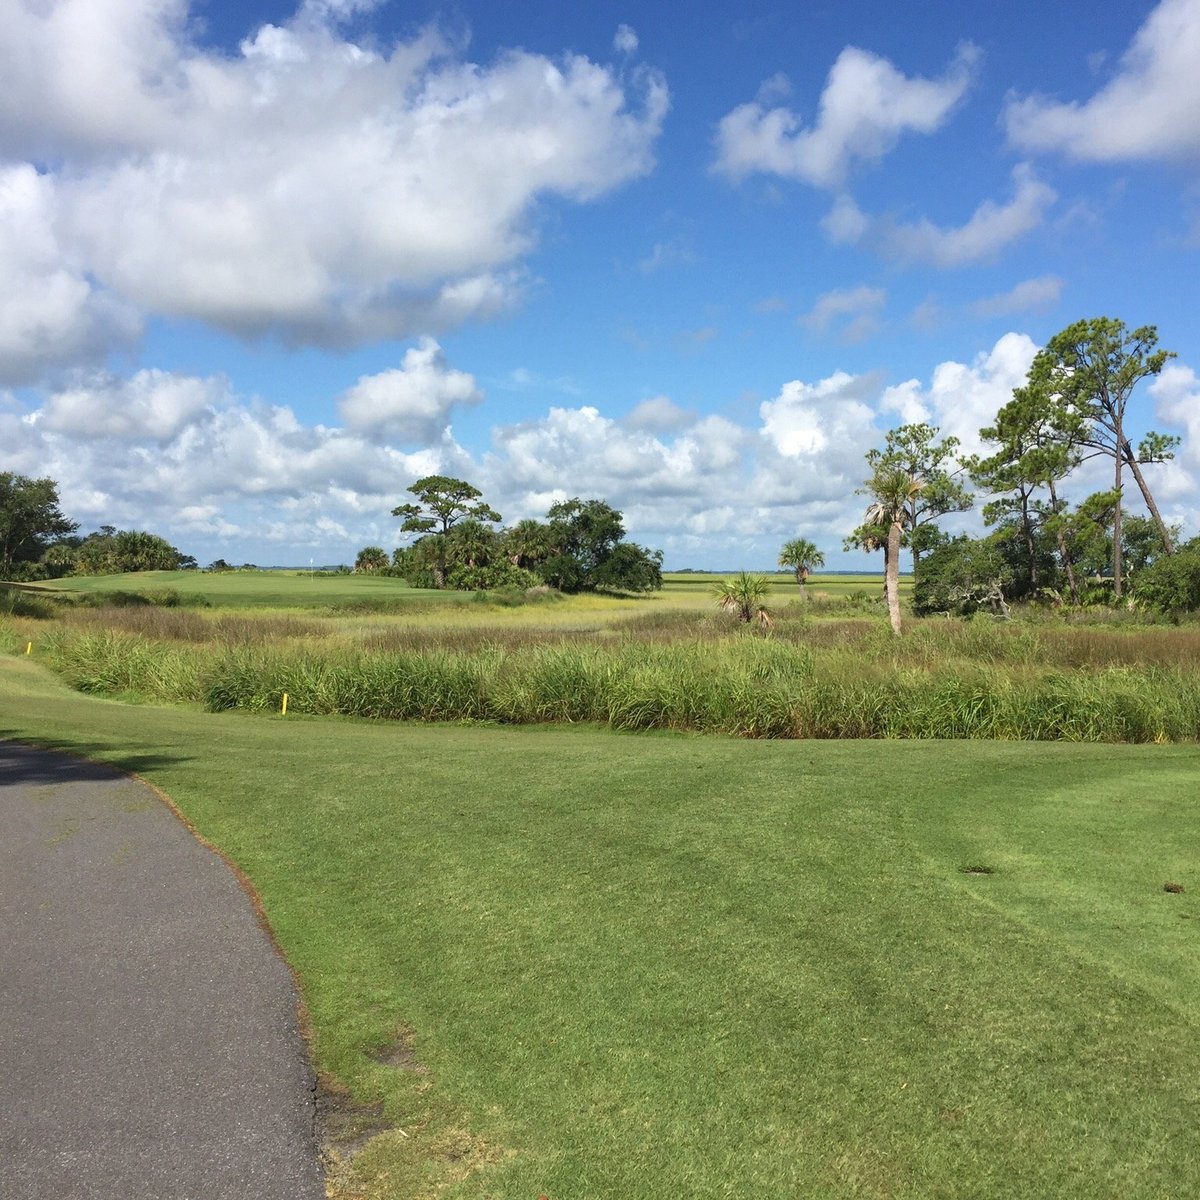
[
  {"x": 667, "y": 966},
  {"x": 304, "y": 589},
  {"x": 257, "y": 589}
]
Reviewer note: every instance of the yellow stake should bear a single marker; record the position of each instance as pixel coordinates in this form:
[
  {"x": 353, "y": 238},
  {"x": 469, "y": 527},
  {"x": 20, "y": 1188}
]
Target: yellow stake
[
  {"x": 283, "y": 710},
  {"x": 29, "y": 648}
]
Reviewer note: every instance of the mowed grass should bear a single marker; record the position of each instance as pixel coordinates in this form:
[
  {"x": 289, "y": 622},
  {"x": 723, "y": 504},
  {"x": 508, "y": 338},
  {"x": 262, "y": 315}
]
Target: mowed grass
[
  {"x": 303, "y": 589},
  {"x": 670, "y": 966},
  {"x": 257, "y": 589}
]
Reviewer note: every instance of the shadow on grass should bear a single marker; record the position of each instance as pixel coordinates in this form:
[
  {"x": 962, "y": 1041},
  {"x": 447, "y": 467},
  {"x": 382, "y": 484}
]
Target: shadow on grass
[{"x": 56, "y": 761}]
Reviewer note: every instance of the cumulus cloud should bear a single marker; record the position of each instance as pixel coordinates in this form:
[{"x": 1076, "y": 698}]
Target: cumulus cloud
[
  {"x": 852, "y": 312},
  {"x": 989, "y": 230},
  {"x": 240, "y": 477},
  {"x": 153, "y": 406},
  {"x": 659, "y": 414},
  {"x": 306, "y": 186},
  {"x": 1176, "y": 393},
  {"x": 962, "y": 398},
  {"x": 1030, "y": 295},
  {"x": 412, "y": 403},
  {"x": 866, "y": 107},
  {"x": 50, "y": 311},
  {"x": 1150, "y": 109},
  {"x": 547, "y": 457},
  {"x": 806, "y": 420}
]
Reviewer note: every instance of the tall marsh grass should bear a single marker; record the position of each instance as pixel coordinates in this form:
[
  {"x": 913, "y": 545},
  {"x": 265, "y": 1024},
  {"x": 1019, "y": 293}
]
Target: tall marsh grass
[{"x": 818, "y": 680}]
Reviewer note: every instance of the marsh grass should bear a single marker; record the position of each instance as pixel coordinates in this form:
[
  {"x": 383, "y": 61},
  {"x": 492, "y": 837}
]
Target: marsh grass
[{"x": 809, "y": 679}]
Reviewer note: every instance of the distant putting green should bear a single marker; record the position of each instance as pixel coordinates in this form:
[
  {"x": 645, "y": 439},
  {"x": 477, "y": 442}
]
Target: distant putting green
[{"x": 579, "y": 964}]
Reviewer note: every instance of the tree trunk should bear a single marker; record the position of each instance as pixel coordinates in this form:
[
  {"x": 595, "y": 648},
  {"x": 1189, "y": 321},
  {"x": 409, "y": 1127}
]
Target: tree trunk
[
  {"x": 891, "y": 581},
  {"x": 800, "y": 577},
  {"x": 1131, "y": 459},
  {"x": 1117, "y": 560},
  {"x": 1027, "y": 527}
]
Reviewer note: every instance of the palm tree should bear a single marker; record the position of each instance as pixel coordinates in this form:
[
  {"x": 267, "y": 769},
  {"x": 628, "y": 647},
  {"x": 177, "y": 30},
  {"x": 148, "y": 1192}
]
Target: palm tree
[
  {"x": 893, "y": 489},
  {"x": 745, "y": 595},
  {"x": 803, "y": 557},
  {"x": 371, "y": 558}
]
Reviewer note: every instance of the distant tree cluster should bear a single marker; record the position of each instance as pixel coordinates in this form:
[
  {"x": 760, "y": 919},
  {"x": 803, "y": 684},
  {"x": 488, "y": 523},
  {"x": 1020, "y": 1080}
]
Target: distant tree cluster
[
  {"x": 38, "y": 542},
  {"x": 1040, "y": 545},
  {"x": 579, "y": 547}
]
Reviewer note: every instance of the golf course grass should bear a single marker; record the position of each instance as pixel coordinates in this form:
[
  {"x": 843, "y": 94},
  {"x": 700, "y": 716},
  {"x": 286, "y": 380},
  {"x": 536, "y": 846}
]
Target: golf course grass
[
  {"x": 279, "y": 589},
  {"x": 574, "y": 963}
]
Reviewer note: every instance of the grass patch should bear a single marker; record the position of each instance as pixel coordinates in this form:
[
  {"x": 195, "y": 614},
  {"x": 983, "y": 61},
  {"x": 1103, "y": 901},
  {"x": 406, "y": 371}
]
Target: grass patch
[
  {"x": 671, "y": 966},
  {"x": 667, "y": 670}
]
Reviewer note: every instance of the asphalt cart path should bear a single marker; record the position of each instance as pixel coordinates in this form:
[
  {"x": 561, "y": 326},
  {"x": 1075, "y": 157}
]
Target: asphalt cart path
[{"x": 149, "y": 1039}]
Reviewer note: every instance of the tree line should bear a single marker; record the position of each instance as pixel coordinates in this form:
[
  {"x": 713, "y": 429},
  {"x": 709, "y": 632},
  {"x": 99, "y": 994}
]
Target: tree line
[
  {"x": 1073, "y": 407},
  {"x": 37, "y": 541},
  {"x": 1041, "y": 544},
  {"x": 579, "y": 547}
]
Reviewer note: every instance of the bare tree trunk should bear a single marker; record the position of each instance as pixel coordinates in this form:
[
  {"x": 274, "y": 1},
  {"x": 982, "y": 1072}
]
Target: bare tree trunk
[
  {"x": 1027, "y": 527},
  {"x": 1131, "y": 459},
  {"x": 891, "y": 573},
  {"x": 1117, "y": 558}
]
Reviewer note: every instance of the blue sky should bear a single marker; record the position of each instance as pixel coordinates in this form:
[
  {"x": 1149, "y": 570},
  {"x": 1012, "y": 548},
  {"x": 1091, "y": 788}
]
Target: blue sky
[{"x": 265, "y": 264}]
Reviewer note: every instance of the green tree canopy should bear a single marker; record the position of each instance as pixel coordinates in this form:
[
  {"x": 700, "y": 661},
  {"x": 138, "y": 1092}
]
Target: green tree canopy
[
  {"x": 587, "y": 551},
  {"x": 30, "y": 520},
  {"x": 746, "y": 596},
  {"x": 371, "y": 558},
  {"x": 915, "y": 450},
  {"x": 443, "y": 503},
  {"x": 803, "y": 557},
  {"x": 1091, "y": 369},
  {"x": 962, "y": 576}
]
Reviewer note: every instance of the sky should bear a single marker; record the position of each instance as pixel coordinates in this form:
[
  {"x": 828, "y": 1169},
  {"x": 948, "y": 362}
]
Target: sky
[{"x": 265, "y": 263}]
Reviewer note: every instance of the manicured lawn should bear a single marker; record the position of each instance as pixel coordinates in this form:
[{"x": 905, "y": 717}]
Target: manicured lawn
[
  {"x": 300, "y": 589},
  {"x": 666, "y": 966},
  {"x": 256, "y": 589}
]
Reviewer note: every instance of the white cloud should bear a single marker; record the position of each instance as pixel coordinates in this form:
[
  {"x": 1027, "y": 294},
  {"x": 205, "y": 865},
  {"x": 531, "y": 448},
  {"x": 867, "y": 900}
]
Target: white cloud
[
  {"x": 50, "y": 313},
  {"x": 237, "y": 477},
  {"x": 812, "y": 420},
  {"x": 153, "y": 406},
  {"x": 866, "y": 107},
  {"x": 412, "y": 403},
  {"x": 962, "y": 398},
  {"x": 625, "y": 41},
  {"x": 1176, "y": 393},
  {"x": 989, "y": 230},
  {"x": 1150, "y": 109},
  {"x": 659, "y": 414},
  {"x": 853, "y": 312},
  {"x": 576, "y": 449},
  {"x": 306, "y": 186},
  {"x": 1030, "y": 295}
]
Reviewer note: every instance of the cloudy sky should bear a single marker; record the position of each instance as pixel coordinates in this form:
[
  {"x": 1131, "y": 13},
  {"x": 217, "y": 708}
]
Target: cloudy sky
[{"x": 265, "y": 263}]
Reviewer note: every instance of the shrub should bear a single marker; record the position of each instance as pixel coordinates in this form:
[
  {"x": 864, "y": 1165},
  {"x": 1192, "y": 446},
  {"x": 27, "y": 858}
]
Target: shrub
[{"x": 1171, "y": 583}]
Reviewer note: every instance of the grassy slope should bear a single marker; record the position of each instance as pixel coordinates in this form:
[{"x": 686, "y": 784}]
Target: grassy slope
[{"x": 667, "y": 966}]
